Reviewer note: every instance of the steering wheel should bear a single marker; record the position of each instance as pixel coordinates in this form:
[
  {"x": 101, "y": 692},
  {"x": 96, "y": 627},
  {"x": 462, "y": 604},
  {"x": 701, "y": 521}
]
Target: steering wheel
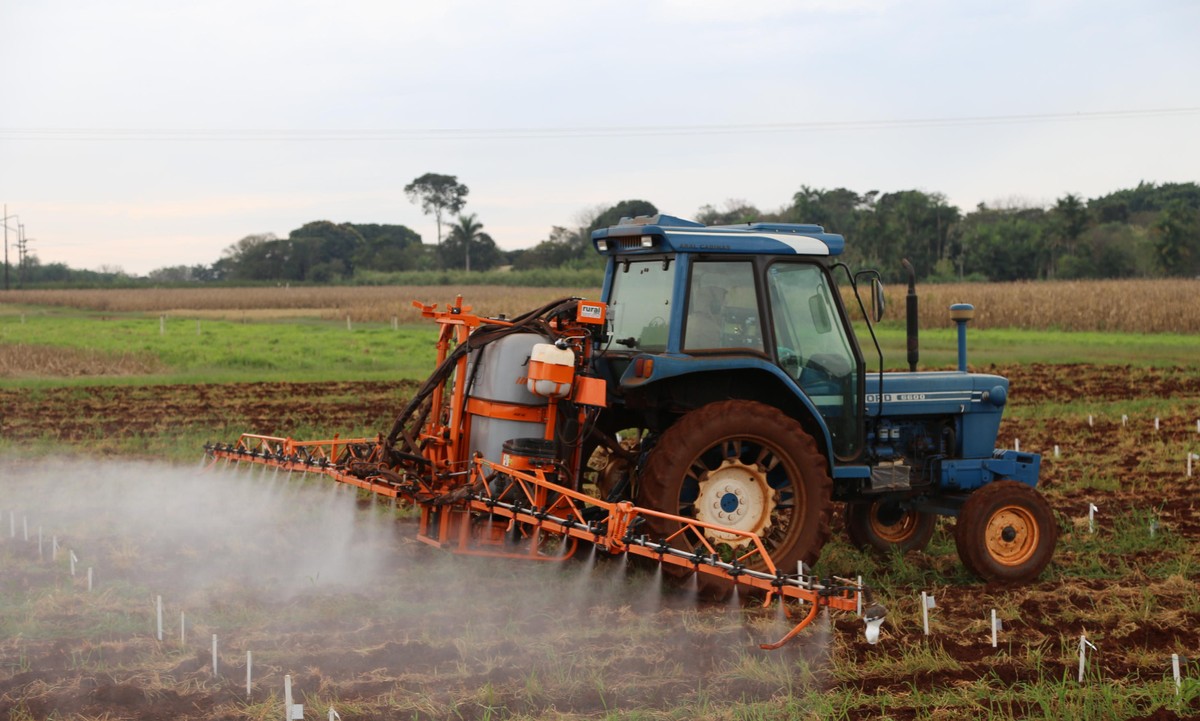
[{"x": 789, "y": 360}]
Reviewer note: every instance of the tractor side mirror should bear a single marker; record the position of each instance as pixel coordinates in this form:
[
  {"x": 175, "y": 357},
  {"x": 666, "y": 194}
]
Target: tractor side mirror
[
  {"x": 878, "y": 302},
  {"x": 820, "y": 314}
]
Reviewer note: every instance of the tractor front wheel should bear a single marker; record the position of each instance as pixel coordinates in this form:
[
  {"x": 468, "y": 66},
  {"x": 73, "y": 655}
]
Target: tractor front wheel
[
  {"x": 746, "y": 466},
  {"x": 1006, "y": 532},
  {"x": 885, "y": 525}
]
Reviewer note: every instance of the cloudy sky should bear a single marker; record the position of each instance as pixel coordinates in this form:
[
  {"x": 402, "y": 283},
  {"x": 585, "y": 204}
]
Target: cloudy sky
[{"x": 144, "y": 133}]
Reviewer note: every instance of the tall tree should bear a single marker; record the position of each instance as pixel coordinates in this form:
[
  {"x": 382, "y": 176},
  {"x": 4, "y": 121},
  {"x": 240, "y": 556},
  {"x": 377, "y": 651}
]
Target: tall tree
[
  {"x": 437, "y": 194},
  {"x": 466, "y": 237},
  {"x": 1176, "y": 236},
  {"x": 1068, "y": 221}
]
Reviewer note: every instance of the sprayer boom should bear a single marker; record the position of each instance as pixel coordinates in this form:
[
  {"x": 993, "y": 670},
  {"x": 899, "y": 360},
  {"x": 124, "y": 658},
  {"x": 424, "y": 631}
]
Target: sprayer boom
[{"x": 527, "y": 516}]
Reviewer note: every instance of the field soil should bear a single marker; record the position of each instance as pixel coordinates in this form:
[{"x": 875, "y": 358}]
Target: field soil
[{"x": 434, "y": 636}]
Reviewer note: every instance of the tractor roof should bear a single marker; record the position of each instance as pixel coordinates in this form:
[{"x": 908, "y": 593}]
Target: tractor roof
[{"x": 665, "y": 233}]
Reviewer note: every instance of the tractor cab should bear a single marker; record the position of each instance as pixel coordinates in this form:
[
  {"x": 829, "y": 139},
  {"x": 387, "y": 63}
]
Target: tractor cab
[{"x": 756, "y": 300}]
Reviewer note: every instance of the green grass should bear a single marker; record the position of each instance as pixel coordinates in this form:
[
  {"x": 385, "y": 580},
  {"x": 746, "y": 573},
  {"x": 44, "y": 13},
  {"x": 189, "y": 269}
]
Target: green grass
[
  {"x": 212, "y": 351},
  {"x": 939, "y": 347}
]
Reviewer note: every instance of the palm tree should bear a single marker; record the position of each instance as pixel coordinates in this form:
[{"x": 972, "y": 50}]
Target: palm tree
[{"x": 467, "y": 231}]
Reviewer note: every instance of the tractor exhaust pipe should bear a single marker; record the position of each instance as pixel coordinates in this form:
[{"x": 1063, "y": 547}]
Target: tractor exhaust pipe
[{"x": 914, "y": 351}]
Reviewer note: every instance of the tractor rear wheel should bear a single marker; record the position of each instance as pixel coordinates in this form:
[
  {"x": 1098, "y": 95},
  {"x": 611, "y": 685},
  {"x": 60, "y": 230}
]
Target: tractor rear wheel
[
  {"x": 747, "y": 466},
  {"x": 884, "y": 525},
  {"x": 1006, "y": 532}
]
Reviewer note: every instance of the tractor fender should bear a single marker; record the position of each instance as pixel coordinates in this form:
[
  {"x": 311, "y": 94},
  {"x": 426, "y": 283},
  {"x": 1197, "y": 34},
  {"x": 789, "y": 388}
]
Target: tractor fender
[{"x": 692, "y": 381}]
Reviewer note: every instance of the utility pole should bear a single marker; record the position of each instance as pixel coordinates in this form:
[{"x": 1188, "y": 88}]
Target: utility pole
[
  {"x": 4, "y": 222},
  {"x": 21, "y": 256}
]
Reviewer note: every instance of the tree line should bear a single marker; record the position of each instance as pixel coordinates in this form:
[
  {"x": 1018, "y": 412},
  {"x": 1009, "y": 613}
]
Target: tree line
[{"x": 1152, "y": 230}]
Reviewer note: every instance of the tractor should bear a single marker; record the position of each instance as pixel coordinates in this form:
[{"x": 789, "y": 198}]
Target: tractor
[
  {"x": 706, "y": 413},
  {"x": 733, "y": 353}
]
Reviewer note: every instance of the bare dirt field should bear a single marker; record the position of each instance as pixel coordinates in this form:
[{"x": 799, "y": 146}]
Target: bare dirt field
[{"x": 333, "y": 591}]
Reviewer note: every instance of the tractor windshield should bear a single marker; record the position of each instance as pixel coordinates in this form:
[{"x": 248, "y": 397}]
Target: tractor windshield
[
  {"x": 639, "y": 305},
  {"x": 812, "y": 346}
]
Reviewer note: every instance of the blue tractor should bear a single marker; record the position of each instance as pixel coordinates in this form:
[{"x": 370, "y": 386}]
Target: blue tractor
[{"x": 739, "y": 395}]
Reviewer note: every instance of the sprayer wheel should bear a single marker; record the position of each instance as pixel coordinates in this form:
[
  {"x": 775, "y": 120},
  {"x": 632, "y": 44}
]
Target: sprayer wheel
[
  {"x": 1006, "y": 532},
  {"x": 759, "y": 467},
  {"x": 884, "y": 525}
]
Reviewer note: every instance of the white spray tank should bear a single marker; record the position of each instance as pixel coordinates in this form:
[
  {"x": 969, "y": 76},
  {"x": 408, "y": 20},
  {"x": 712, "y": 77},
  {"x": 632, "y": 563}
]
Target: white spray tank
[{"x": 499, "y": 401}]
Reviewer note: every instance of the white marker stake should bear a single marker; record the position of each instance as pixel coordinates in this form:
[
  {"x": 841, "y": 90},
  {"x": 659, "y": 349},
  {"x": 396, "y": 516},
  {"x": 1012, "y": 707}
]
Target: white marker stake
[
  {"x": 348, "y": 323},
  {"x": 1083, "y": 647},
  {"x": 1092, "y": 509},
  {"x": 89, "y": 579},
  {"x": 1082, "y": 655},
  {"x": 1056, "y": 451},
  {"x": 54, "y": 548},
  {"x": 1175, "y": 672},
  {"x": 287, "y": 698},
  {"x": 74, "y": 560},
  {"x": 1124, "y": 420},
  {"x": 162, "y": 325},
  {"x": 182, "y": 630},
  {"x": 1153, "y": 527},
  {"x": 1091, "y": 421},
  {"x": 1156, "y": 424},
  {"x": 995, "y": 627},
  {"x": 214, "y": 654},
  {"x": 334, "y": 715},
  {"x": 858, "y": 599},
  {"x": 927, "y": 603},
  {"x": 158, "y": 606},
  {"x": 1017, "y": 445},
  {"x": 248, "y": 662}
]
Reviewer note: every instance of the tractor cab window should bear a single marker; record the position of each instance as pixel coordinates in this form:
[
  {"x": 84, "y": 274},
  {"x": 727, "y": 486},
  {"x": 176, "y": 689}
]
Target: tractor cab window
[
  {"x": 722, "y": 310},
  {"x": 639, "y": 304},
  {"x": 813, "y": 348}
]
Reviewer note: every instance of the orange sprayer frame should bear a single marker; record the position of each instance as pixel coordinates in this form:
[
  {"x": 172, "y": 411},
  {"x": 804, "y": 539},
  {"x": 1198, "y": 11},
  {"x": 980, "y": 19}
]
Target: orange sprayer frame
[{"x": 472, "y": 505}]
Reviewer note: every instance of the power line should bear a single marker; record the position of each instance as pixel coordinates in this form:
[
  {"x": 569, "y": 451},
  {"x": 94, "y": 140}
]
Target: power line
[{"x": 547, "y": 133}]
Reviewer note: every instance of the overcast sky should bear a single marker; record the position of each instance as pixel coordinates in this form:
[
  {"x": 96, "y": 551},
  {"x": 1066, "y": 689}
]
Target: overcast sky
[{"x": 144, "y": 134}]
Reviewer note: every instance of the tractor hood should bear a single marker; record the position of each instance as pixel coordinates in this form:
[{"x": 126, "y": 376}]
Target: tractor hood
[{"x": 977, "y": 398}]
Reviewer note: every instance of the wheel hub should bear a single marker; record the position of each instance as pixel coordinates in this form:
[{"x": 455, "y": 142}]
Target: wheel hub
[
  {"x": 735, "y": 495},
  {"x": 1011, "y": 535}
]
